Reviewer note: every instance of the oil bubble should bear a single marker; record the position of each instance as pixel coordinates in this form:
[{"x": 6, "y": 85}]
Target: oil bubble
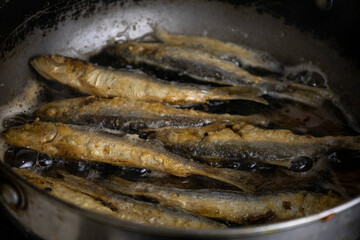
[
  {"x": 44, "y": 160},
  {"x": 25, "y": 158},
  {"x": 314, "y": 79},
  {"x": 301, "y": 164}
]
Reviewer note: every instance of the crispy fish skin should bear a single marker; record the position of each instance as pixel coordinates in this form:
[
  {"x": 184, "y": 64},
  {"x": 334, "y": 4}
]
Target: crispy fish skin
[
  {"x": 134, "y": 84},
  {"x": 90, "y": 196},
  {"x": 244, "y": 141},
  {"x": 125, "y": 114},
  {"x": 193, "y": 62},
  {"x": 206, "y": 67},
  {"x": 81, "y": 143},
  {"x": 224, "y": 50},
  {"x": 238, "y": 207}
]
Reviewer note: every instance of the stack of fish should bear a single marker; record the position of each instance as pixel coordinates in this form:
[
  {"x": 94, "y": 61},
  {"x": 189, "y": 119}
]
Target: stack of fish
[{"x": 179, "y": 141}]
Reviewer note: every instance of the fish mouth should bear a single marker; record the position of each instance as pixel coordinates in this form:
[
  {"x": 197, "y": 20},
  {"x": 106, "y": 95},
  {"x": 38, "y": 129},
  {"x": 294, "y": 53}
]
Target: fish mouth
[
  {"x": 45, "y": 65},
  {"x": 41, "y": 64},
  {"x": 34, "y": 132},
  {"x": 50, "y": 59}
]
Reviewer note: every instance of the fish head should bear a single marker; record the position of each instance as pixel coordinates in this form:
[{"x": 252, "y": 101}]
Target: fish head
[
  {"x": 36, "y": 133},
  {"x": 57, "y": 67}
]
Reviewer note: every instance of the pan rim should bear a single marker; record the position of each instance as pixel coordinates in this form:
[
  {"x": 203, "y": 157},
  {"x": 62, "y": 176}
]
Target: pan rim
[{"x": 161, "y": 231}]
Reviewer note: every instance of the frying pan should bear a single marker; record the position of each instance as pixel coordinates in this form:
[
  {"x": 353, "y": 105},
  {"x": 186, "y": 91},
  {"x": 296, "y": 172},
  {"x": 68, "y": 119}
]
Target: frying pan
[{"x": 318, "y": 32}]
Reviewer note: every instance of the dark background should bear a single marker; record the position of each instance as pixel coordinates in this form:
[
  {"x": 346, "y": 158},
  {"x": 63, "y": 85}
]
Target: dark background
[{"x": 8, "y": 230}]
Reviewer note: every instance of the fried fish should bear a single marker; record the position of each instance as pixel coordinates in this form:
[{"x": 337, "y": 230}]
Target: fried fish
[
  {"x": 243, "y": 55},
  {"x": 90, "y": 196},
  {"x": 246, "y": 142},
  {"x": 238, "y": 207},
  {"x": 83, "y": 143},
  {"x": 203, "y": 66},
  {"x": 133, "y": 84},
  {"x": 130, "y": 115}
]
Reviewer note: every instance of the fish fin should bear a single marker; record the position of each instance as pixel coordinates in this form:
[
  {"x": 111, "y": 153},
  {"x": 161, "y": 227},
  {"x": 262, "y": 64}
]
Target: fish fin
[
  {"x": 240, "y": 92},
  {"x": 246, "y": 181},
  {"x": 121, "y": 181},
  {"x": 300, "y": 96},
  {"x": 311, "y": 96},
  {"x": 117, "y": 184},
  {"x": 83, "y": 185}
]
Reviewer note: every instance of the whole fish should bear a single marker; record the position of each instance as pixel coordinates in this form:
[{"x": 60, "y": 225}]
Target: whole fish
[
  {"x": 238, "y": 207},
  {"x": 203, "y": 66},
  {"x": 133, "y": 84},
  {"x": 247, "y": 142},
  {"x": 130, "y": 115},
  {"x": 246, "y": 56},
  {"x": 83, "y": 143},
  {"x": 90, "y": 196}
]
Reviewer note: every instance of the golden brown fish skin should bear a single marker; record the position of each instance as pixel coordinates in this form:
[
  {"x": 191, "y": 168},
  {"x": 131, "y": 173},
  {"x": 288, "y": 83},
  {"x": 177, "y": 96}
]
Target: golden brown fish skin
[
  {"x": 223, "y": 50},
  {"x": 130, "y": 115},
  {"x": 90, "y": 196},
  {"x": 133, "y": 84},
  {"x": 244, "y": 141},
  {"x": 81, "y": 143},
  {"x": 203, "y": 66},
  {"x": 238, "y": 207},
  {"x": 194, "y": 62}
]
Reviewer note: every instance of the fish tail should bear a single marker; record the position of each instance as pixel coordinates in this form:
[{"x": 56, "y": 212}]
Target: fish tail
[
  {"x": 246, "y": 181},
  {"x": 117, "y": 184},
  {"x": 324, "y": 92},
  {"x": 311, "y": 96},
  {"x": 239, "y": 92},
  {"x": 84, "y": 185},
  {"x": 307, "y": 98}
]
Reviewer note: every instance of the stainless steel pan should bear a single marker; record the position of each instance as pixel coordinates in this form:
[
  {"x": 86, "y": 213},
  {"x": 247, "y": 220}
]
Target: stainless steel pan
[{"x": 292, "y": 31}]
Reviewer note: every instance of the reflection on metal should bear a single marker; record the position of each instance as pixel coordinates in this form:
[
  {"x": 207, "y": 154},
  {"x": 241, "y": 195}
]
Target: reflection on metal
[
  {"x": 11, "y": 195},
  {"x": 324, "y": 4}
]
